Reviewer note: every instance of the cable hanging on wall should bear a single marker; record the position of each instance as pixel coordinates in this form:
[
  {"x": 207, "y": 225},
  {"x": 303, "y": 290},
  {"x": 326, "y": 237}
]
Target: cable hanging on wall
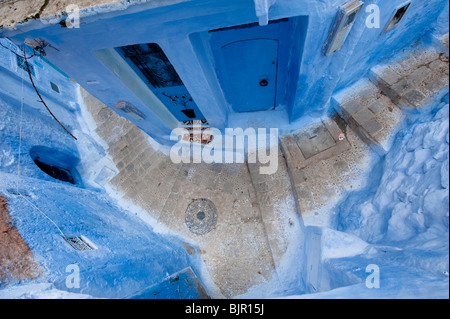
[
  {"x": 39, "y": 95},
  {"x": 18, "y": 166},
  {"x": 27, "y": 68}
]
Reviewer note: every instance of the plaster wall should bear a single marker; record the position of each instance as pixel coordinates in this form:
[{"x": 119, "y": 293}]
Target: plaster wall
[{"x": 181, "y": 30}]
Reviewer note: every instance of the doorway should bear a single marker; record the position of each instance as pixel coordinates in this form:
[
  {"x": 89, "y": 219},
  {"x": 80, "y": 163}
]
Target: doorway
[
  {"x": 251, "y": 67},
  {"x": 152, "y": 65},
  {"x": 251, "y": 63}
]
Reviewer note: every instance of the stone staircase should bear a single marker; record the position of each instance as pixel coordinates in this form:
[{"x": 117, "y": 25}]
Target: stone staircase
[
  {"x": 321, "y": 165},
  {"x": 370, "y": 113},
  {"x": 237, "y": 252},
  {"x": 415, "y": 80},
  {"x": 315, "y": 143},
  {"x": 257, "y": 214},
  {"x": 323, "y": 159}
]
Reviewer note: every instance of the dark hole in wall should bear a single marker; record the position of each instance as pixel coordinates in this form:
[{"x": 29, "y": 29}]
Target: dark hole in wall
[
  {"x": 400, "y": 13},
  {"x": 54, "y": 87},
  {"x": 59, "y": 173},
  {"x": 351, "y": 18},
  {"x": 398, "y": 16},
  {"x": 56, "y": 163}
]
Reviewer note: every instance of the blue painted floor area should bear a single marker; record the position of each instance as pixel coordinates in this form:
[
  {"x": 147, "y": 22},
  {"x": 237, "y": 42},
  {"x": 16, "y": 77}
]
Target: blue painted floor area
[
  {"x": 183, "y": 285},
  {"x": 130, "y": 256}
]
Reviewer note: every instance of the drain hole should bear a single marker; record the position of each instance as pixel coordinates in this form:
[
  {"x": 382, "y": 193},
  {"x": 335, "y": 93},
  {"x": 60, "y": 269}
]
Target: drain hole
[
  {"x": 56, "y": 172},
  {"x": 80, "y": 243},
  {"x": 17, "y": 192},
  {"x": 201, "y": 215}
]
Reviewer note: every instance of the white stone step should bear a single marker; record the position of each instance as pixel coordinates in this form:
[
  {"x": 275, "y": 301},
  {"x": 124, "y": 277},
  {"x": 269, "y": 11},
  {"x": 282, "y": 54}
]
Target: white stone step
[
  {"x": 322, "y": 167},
  {"x": 414, "y": 80},
  {"x": 370, "y": 113}
]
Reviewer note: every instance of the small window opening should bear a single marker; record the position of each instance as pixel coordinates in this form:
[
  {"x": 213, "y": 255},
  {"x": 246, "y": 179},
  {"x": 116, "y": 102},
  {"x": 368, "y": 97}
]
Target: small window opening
[
  {"x": 54, "y": 87},
  {"x": 153, "y": 64},
  {"x": 23, "y": 65},
  {"x": 59, "y": 173},
  {"x": 398, "y": 16},
  {"x": 351, "y": 18},
  {"x": 58, "y": 164}
]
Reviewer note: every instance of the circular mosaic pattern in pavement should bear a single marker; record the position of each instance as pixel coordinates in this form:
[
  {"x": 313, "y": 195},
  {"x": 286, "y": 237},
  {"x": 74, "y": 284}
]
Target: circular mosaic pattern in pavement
[{"x": 201, "y": 216}]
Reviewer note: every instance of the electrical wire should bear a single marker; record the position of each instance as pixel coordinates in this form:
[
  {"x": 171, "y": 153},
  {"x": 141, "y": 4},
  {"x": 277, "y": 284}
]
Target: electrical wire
[
  {"x": 15, "y": 53},
  {"x": 26, "y": 66},
  {"x": 39, "y": 95},
  {"x": 18, "y": 164},
  {"x": 20, "y": 135}
]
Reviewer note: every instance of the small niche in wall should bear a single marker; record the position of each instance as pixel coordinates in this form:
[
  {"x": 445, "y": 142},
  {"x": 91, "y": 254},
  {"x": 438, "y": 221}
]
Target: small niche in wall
[
  {"x": 398, "y": 16},
  {"x": 57, "y": 164},
  {"x": 54, "y": 87},
  {"x": 130, "y": 110},
  {"x": 342, "y": 26}
]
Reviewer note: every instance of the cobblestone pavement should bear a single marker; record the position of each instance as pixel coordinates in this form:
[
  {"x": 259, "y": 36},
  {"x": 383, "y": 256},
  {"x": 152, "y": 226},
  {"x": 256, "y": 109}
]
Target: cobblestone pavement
[
  {"x": 241, "y": 220},
  {"x": 236, "y": 249}
]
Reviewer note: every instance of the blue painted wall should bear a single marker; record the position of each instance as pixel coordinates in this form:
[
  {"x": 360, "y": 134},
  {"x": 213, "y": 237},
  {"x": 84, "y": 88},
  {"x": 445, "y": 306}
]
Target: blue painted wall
[
  {"x": 321, "y": 75},
  {"x": 123, "y": 264},
  {"x": 374, "y": 45},
  {"x": 442, "y": 24},
  {"x": 182, "y": 32},
  {"x": 15, "y": 87}
]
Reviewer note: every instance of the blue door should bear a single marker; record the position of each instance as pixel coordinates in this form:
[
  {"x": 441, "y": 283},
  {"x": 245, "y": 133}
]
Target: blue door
[{"x": 250, "y": 67}]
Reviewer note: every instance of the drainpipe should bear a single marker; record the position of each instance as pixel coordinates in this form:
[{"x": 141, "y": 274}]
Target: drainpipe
[{"x": 262, "y": 10}]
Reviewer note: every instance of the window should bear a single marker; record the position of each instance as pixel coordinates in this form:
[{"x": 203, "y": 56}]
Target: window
[
  {"x": 153, "y": 64},
  {"x": 343, "y": 25},
  {"x": 149, "y": 62},
  {"x": 398, "y": 16},
  {"x": 23, "y": 65},
  {"x": 54, "y": 87},
  {"x": 351, "y": 18}
]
